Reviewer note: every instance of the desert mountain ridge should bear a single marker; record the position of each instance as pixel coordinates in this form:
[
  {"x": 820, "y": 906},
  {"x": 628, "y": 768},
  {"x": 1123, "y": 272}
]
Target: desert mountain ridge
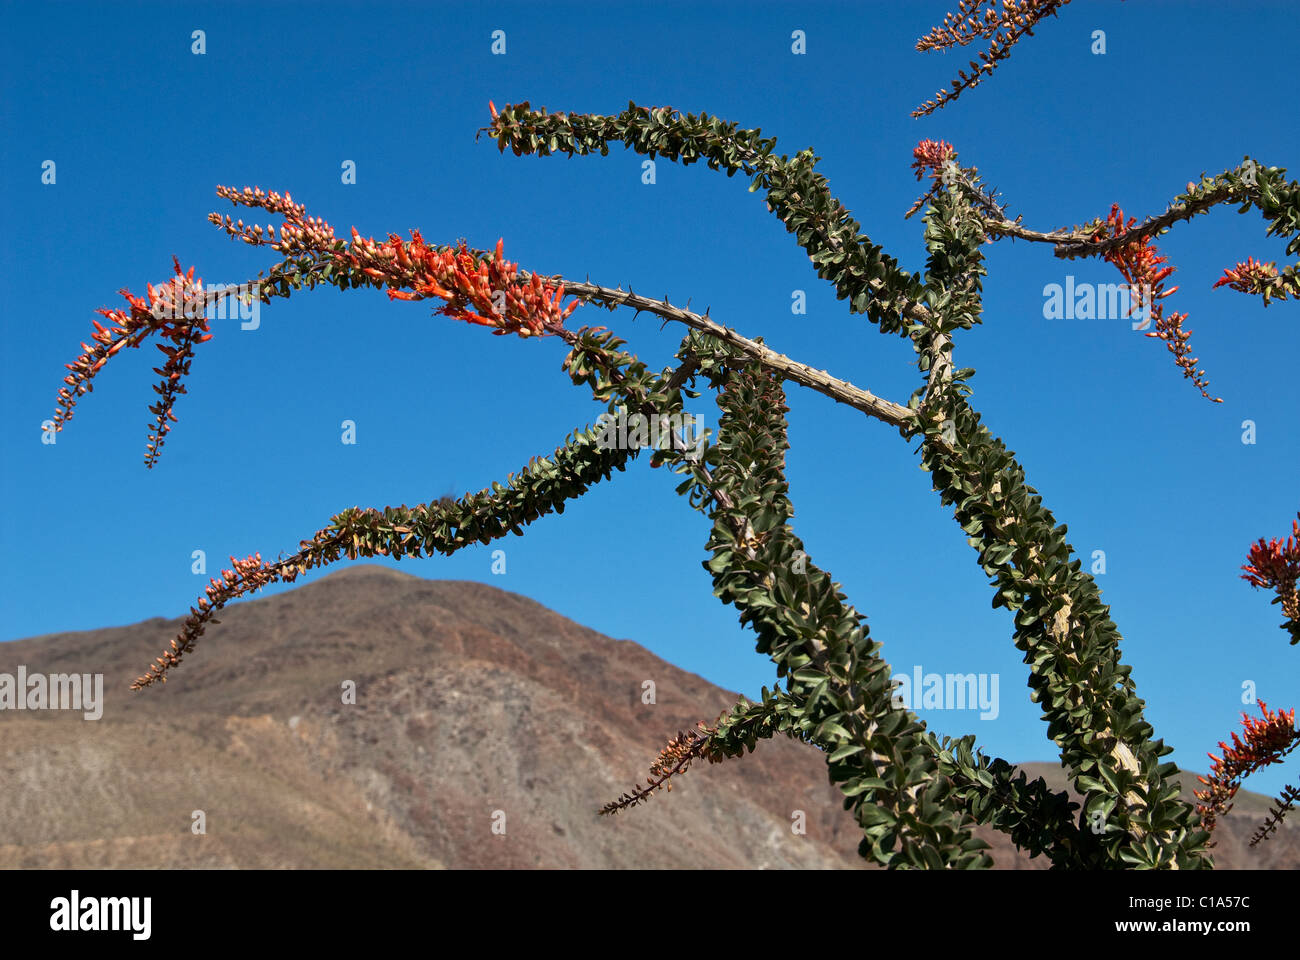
[{"x": 487, "y": 731}]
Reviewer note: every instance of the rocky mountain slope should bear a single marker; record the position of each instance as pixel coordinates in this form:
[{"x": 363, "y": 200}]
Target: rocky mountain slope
[{"x": 486, "y": 733}]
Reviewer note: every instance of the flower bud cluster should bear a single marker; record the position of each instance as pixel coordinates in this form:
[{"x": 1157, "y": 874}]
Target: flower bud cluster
[
  {"x": 174, "y": 311},
  {"x": 1267, "y": 740},
  {"x": 1143, "y": 268}
]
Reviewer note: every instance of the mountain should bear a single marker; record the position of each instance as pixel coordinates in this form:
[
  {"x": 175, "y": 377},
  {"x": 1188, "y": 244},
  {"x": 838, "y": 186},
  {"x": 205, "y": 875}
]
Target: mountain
[{"x": 486, "y": 732}]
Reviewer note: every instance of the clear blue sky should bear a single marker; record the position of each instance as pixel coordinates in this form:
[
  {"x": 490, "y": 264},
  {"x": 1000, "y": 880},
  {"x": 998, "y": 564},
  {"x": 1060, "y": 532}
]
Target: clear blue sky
[{"x": 1121, "y": 447}]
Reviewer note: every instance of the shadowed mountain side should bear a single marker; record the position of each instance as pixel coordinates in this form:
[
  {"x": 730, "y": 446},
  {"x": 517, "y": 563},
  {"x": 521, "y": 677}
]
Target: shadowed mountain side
[{"x": 474, "y": 707}]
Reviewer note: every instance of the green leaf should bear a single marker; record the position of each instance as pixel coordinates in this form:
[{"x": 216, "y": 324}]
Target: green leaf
[{"x": 848, "y": 750}]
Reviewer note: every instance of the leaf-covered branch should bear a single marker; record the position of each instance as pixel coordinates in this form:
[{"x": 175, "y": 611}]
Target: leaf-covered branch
[
  {"x": 877, "y": 754},
  {"x": 1129, "y": 247},
  {"x": 747, "y": 721},
  {"x": 1038, "y": 820},
  {"x": 436, "y": 527},
  {"x": 1266, "y": 189},
  {"x": 540, "y": 488},
  {"x": 1072, "y": 648},
  {"x": 1070, "y": 644},
  {"x": 871, "y": 281}
]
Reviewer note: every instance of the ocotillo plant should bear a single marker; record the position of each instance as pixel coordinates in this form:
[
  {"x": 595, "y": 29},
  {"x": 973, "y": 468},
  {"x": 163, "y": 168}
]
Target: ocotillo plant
[{"x": 915, "y": 794}]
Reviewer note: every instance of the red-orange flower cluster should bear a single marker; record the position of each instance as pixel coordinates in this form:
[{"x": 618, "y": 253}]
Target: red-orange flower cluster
[
  {"x": 1275, "y": 561},
  {"x": 478, "y": 288},
  {"x": 1142, "y": 267},
  {"x": 1275, "y": 565},
  {"x": 1246, "y": 275},
  {"x": 1254, "y": 276},
  {"x": 932, "y": 155},
  {"x": 1267, "y": 741},
  {"x": 175, "y": 311},
  {"x": 483, "y": 291}
]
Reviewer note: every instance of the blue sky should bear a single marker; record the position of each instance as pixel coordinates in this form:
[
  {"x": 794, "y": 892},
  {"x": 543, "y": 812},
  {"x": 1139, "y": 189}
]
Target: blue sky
[{"x": 1121, "y": 447}]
